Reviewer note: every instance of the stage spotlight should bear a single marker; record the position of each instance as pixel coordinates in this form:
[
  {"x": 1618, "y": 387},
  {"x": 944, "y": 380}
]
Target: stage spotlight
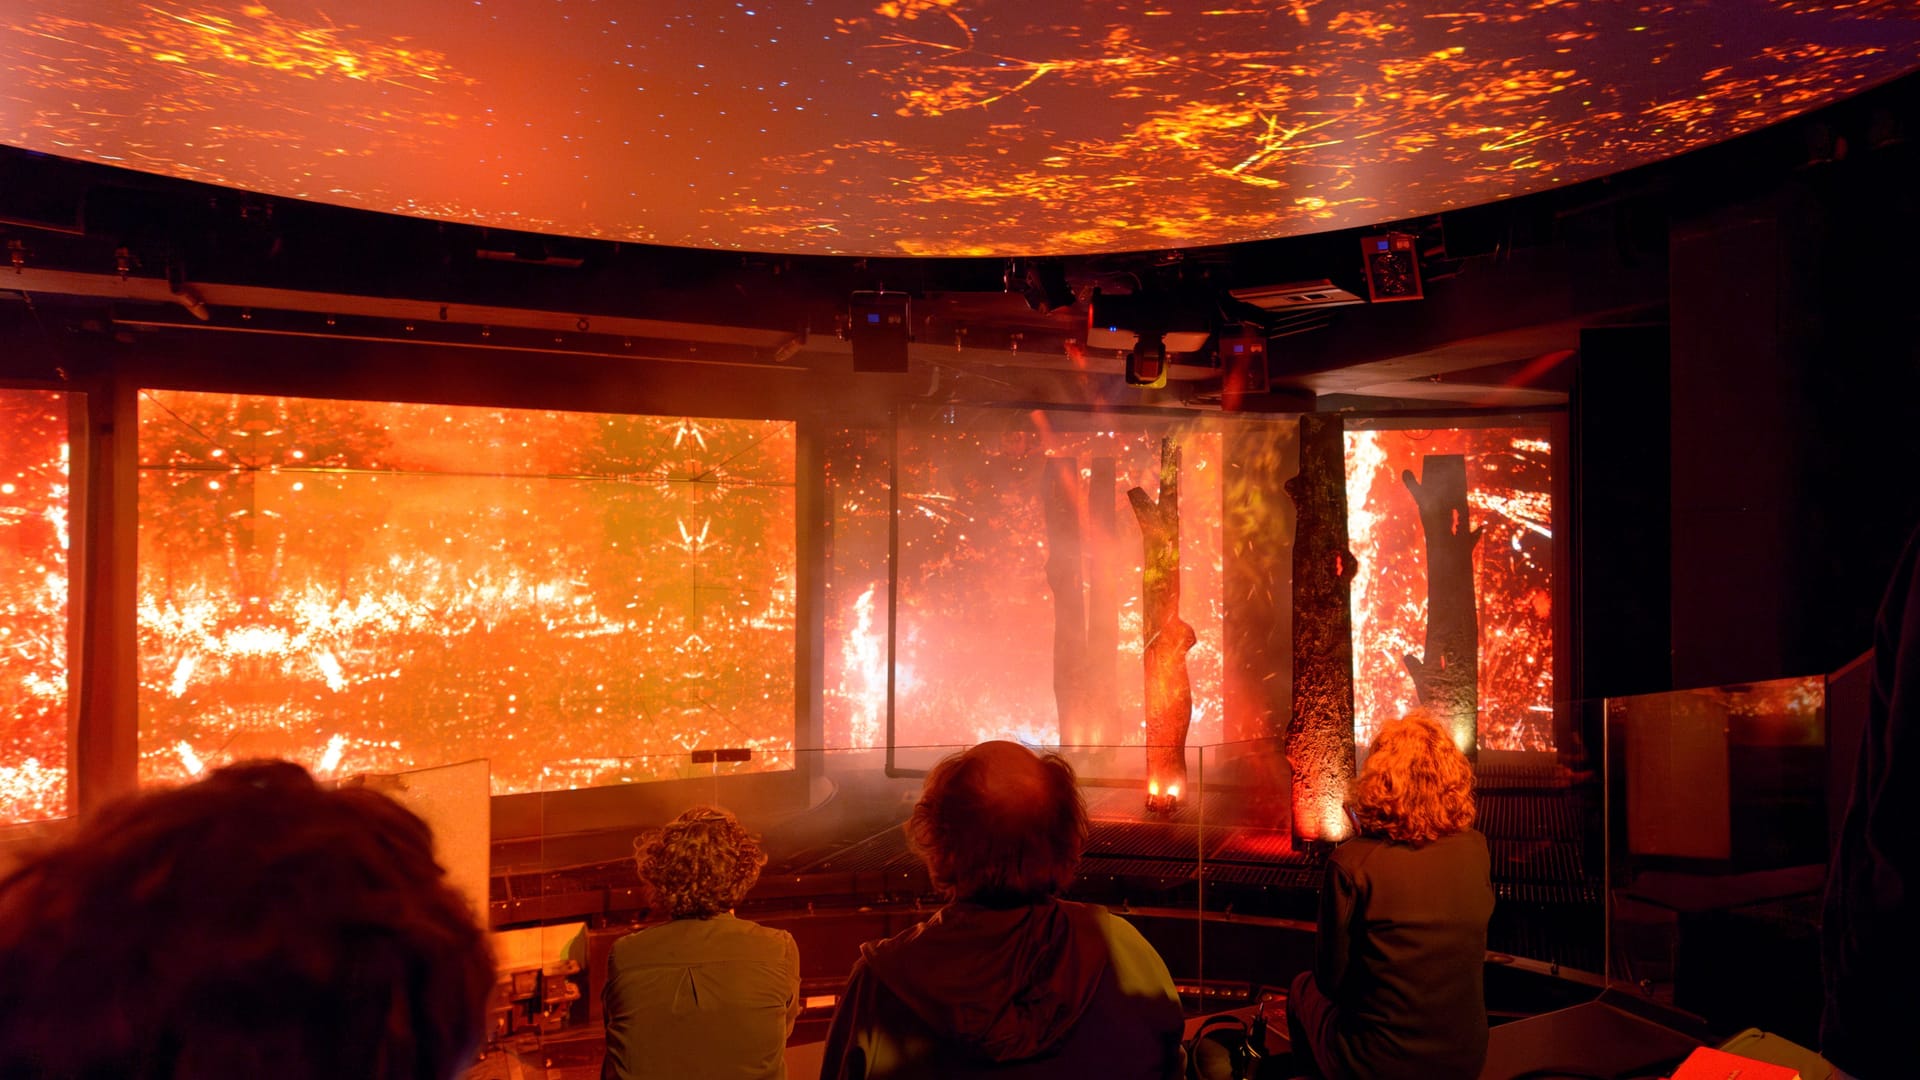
[
  {"x": 1147, "y": 362},
  {"x": 1393, "y": 267},
  {"x": 879, "y": 329},
  {"x": 1043, "y": 285}
]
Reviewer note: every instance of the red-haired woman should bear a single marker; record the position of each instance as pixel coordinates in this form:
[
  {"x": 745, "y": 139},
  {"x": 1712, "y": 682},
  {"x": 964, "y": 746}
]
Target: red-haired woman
[
  {"x": 1397, "y": 988},
  {"x": 704, "y": 994}
]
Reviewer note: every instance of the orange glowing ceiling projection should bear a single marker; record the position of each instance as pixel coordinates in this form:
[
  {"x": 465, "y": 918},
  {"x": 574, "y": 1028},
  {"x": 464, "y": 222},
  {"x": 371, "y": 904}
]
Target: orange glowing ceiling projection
[
  {"x": 369, "y": 587},
  {"x": 921, "y": 127}
]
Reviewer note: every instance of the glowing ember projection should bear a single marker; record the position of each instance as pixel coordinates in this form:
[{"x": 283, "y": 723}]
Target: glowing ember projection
[
  {"x": 976, "y": 637},
  {"x": 33, "y": 605},
  {"x": 375, "y": 587},
  {"x": 1509, "y": 495},
  {"x": 954, "y": 127}
]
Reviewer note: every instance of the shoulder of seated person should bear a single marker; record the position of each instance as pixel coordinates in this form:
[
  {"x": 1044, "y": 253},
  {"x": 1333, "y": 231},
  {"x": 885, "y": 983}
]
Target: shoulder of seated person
[
  {"x": 682, "y": 932},
  {"x": 1357, "y": 848},
  {"x": 748, "y": 926}
]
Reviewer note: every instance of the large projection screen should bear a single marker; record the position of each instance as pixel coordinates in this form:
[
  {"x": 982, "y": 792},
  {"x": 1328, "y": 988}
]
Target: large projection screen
[
  {"x": 34, "y": 549},
  {"x": 372, "y": 587}
]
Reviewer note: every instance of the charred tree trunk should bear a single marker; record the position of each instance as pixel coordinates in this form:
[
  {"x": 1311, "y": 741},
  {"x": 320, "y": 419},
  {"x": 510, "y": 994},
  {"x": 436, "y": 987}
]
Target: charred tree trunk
[
  {"x": 1448, "y": 678},
  {"x": 1103, "y": 607},
  {"x": 1062, "y": 505},
  {"x": 1320, "y": 732},
  {"x": 1168, "y": 637}
]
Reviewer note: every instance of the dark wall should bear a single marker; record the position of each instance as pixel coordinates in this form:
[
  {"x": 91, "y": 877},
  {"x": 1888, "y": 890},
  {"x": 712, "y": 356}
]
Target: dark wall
[
  {"x": 1621, "y": 520},
  {"x": 1795, "y": 409}
]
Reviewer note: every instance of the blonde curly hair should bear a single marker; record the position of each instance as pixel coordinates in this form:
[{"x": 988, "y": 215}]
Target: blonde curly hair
[
  {"x": 1416, "y": 786},
  {"x": 699, "y": 864}
]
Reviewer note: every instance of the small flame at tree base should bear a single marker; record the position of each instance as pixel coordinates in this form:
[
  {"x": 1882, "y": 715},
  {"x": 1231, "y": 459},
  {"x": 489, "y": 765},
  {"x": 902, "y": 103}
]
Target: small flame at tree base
[{"x": 1162, "y": 802}]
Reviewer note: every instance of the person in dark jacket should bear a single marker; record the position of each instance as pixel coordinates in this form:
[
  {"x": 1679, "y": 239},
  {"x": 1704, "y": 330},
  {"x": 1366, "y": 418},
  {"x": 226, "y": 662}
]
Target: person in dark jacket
[
  {"x": 705, "y": 995},
  {"x": 1007, "y": 980},
  {"x": 1397, "y": 989},
  {"x": 1869, "y": 940}
]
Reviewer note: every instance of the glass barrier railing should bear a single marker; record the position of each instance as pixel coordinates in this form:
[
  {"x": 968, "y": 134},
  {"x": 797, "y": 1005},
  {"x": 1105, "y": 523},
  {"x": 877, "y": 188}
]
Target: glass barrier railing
[
  {"x": 1717, "y": 821},
  {"x": 1683, "y": 862},
  {"x": 1218, "y": 882}
]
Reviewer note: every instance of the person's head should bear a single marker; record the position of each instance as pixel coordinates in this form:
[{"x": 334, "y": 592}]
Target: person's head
[
  {"x": 699, "y": 864},
  {"x": 250, "y": 924},
  {"x": 1416, "y": 786},
  {"x": 998, "y": 824}
]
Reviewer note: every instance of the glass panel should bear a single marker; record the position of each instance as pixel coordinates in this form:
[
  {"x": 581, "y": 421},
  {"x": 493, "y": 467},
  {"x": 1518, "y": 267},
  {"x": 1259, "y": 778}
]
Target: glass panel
[
  {"x": 1020, "y": 609},
  {"x": 34, "y": 505},
  {"x": 839, "y": 870},
  {"x": 854, "y": 704},
  {"x": 364, "y": 586},
  {"x": 1718, "y": 846},
  {"x": 1542, "y": 814},
  {"x": 453, "y": 801},
  {"x": 1508, "y": 473}
]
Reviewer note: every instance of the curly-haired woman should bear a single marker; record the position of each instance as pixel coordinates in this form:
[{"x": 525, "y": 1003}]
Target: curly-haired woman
[
  {"x": 703, "y": 994},
  {"x": 1397, "y": 987}
]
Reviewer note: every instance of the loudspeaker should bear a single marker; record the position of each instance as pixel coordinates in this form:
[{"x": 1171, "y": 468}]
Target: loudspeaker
[{"x": 1393, "y": 267}]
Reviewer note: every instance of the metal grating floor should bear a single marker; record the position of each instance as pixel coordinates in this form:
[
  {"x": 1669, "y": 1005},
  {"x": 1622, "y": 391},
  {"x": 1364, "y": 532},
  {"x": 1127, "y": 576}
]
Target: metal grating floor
[{"x": 1517, "y": 814}]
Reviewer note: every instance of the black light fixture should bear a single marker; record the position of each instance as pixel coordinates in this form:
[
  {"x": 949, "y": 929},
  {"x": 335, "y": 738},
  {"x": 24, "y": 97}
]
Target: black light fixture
[
  {"x": 1242, "y": 350},
  {"x": 1043, "y": 285},
  {"x": 1147, "y": 329},
  {"x": 879, "y": 328},
  {"x": 1147, "y": 360}
]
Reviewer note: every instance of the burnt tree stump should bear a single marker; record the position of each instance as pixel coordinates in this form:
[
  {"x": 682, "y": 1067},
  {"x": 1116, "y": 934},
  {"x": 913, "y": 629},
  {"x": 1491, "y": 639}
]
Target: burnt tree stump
[
  {"x": 1447, "y": 677},
  {"x": 1320, "y": 730},
  {"x": 1167, "y": 636}
]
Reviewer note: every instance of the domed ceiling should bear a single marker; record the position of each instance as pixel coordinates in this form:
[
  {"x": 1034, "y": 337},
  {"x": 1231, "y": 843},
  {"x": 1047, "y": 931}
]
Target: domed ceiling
[{"x": 921, "y": 127}]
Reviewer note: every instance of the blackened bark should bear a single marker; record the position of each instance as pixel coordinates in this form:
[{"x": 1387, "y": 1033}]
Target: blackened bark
[{"x": 1320, "y": 731}]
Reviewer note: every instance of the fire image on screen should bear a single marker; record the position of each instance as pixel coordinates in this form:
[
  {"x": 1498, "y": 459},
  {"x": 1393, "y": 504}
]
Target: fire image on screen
[
  {"x": 367, "y": 587},
  {"x": 33, "y": 605},
  {"x": 1509, "y": 495}
]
